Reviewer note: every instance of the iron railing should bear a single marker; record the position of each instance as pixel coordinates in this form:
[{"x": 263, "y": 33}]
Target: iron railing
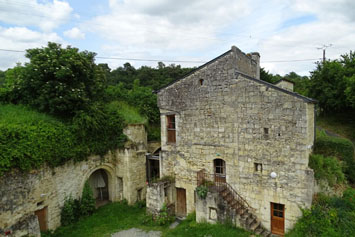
[{"x": 217, "y": 182}]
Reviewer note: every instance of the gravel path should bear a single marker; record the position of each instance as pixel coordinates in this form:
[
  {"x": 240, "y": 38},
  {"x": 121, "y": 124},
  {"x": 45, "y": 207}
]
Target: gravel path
[{"x": 134, "y": 232}]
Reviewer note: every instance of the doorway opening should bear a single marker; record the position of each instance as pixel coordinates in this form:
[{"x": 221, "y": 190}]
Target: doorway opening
[
  {"x": 99, "y": 184},
  {"x": 153, "y": 166}
]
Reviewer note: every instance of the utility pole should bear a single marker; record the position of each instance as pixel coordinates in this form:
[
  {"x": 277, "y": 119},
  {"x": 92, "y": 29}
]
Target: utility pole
[{"x": 324, "y": 47}]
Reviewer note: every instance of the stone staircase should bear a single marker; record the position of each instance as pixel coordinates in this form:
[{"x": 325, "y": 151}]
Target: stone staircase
[
  {"x": 247, "y": 219},
  {"x": 242, "y": 210}
]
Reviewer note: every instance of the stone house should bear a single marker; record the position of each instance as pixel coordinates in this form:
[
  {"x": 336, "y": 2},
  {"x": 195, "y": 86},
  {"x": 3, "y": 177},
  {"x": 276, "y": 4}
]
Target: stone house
[
  {"x": 30, "y": 202},
  {"x": 249, "y": 140}
]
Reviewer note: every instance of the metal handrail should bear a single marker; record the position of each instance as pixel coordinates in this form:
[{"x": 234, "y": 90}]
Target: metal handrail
[{"x": 219, "y": 182}]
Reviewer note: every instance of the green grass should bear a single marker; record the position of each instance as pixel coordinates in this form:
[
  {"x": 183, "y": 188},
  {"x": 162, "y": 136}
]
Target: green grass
[
  {"x": 118, "y": 216},
  {"x": 19, "y": 114},
  {"x": 129, "y": 113},
  {"x": 341, "y": 124},
  {"x": 189, "y": 227}
]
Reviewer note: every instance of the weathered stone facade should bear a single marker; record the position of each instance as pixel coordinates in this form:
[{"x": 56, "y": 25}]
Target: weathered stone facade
[
  {"x": 224, "y": 111},
  {"x": 22, "y": 194}
]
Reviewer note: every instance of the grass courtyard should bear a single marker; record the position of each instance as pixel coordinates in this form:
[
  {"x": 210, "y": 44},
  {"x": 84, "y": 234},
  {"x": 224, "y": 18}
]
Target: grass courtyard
[{"x": 115, "y": 217}]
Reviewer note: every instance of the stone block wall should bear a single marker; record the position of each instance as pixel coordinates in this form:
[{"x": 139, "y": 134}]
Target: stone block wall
[
  {"x": 245, "y": 123},
  {"x": 158, "y": 195},
  {"x": 24, "y": 193}
]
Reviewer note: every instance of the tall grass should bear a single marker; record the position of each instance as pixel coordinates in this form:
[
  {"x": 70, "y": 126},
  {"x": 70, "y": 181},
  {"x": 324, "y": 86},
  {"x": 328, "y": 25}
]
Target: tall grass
[
  {"x": 20, "y": 114},
  {"x": 129, "y": 113}
]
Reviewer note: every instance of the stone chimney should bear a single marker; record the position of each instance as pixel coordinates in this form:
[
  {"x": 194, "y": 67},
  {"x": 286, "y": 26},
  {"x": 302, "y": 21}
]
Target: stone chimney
[
  {"x": 285, "y": 84},
  {"x": 256, "y": 57}
]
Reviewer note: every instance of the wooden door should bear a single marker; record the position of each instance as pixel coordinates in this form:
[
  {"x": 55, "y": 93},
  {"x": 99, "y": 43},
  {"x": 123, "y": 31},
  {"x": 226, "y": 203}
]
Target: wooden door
[
  {"x": 277, "y": 218},
  {"x": 42, "y": 218},
  {"x": 180, "y": 202}
]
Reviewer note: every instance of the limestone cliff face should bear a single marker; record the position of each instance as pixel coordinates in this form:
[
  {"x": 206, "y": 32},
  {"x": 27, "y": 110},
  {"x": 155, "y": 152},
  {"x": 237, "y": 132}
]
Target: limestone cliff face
[
  {"x": 223, "y": 112},
  {"x": 22, "y": 194}
]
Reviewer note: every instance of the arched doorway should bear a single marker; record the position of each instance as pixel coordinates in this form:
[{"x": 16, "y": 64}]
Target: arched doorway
[
  {"x": 99, "y": 183},
  {"x": 219, "y": 167}
]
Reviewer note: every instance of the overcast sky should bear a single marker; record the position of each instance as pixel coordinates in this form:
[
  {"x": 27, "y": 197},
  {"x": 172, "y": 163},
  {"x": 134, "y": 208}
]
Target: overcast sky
[{"x": 195, "y": 31}]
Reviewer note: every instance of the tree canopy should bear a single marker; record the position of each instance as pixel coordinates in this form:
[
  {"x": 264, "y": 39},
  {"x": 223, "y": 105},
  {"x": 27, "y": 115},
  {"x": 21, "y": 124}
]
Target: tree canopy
[
  {"x": 57, "y": 80},
  {"x": 333, "y": 84}
]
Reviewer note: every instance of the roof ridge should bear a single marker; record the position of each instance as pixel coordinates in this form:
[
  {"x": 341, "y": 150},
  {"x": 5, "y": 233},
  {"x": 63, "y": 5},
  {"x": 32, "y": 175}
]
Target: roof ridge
[{"x": 309, "y": 100}]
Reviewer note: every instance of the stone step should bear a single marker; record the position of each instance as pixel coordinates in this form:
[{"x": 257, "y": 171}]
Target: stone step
[
  {"x": 259, "y": 230},
  {"x": 254, "y": 225},
  {"x": 250, "y": 221}
]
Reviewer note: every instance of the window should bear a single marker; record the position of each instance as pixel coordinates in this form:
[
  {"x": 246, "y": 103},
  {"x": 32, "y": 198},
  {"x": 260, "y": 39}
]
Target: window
[
  {"x": 171, "y": 129},
  {"x": 278, "y": 210},
  {"x": 266, "y": 133},
  {"x": 219, "y": 170},
  {"x": 258, "y": 167},
  {"x": 219, "y": 166},
  {"x": 201, "y": 82}
]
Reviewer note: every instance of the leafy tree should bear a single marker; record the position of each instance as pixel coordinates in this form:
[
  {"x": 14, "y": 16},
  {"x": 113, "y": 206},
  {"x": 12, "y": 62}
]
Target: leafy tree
[
  {"x": 2, "y": 77},
  {"x": 333, "y": 84},
  {"x": 301, "y": 82},
  {"x": 57, "y": 80},
  {"x": 266, "y": 76}
]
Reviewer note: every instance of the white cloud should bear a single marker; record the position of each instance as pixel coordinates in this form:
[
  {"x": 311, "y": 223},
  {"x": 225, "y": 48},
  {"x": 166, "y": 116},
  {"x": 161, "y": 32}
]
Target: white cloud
[
  {"x": 21, "y": 38},
  {"x": 74, "y": 33},
  {"x": 45, "y": 15},
  {"x": 167, "y": 25},
  {"x": 333, "y": 26}
]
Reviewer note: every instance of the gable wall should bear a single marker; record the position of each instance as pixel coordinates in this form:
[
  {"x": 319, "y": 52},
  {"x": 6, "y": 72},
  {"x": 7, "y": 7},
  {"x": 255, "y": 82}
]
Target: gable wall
[{"x": 225, "y": 118}]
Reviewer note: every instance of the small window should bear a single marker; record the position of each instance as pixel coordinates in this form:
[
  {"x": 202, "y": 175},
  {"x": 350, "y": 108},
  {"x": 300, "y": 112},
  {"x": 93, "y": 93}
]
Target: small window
[
  {"x": 220, "y": 166},
  {"x": 266, "y": 133},
  {"x": 258, "y": 167},
  {"x": 201, "y": 82},
  {"x": 171, "y": 129}
]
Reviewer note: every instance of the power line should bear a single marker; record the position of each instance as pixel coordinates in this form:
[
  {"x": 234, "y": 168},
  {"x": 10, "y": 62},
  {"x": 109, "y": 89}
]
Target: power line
[
  {"x": 292, "y": 60},
  {"x": 172, "y": 61}
]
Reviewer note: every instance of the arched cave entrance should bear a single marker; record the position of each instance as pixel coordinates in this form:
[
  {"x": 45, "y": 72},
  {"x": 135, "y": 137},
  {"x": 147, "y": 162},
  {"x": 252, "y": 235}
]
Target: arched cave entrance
[{"x": 99, "y": 183}]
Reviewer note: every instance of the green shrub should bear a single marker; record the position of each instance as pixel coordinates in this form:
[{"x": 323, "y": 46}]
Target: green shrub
[
  {"x": 164, "y": 217},
  {"x": 73, "y": 209},
  {"x": 87, "y": 201},
  {"x": 338, "y": 147},
  {"x": 69, "y": 213},
  {"x": 202, "y": 191},
  {"x": 327, "y": 168},
  {"x": 328, "y": 216}
]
